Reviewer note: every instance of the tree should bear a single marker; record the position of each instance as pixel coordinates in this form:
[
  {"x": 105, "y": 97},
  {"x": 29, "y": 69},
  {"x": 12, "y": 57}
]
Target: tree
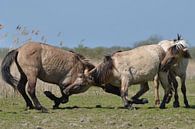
[{"x": 151, "y": 40}]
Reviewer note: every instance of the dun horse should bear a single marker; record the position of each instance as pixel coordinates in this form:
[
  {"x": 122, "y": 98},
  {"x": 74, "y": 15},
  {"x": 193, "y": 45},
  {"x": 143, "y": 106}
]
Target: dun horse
[
  {"x": 179, "y": 69},
  {"x": 50, "y": 64},
  {"x": 137, "y": 66}
]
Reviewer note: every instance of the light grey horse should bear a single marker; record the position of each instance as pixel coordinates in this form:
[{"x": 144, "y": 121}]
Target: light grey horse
[
  {"x": 136, "y": 66},
  {"x": 179, "y": 69}
]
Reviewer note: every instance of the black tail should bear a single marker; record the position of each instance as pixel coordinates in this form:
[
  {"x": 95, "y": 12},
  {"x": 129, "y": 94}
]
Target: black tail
[{"x": 5, "y": 68}]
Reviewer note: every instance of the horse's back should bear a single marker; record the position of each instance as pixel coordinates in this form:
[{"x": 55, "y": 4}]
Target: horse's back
[
  {"x": 49, "y": 63},
  {"x": 141, "y": 63}
]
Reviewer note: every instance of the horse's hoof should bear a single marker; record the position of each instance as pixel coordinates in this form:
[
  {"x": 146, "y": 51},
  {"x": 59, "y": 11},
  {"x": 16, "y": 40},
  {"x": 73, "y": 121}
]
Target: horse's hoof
[
  {"x": 98, "y": 106},
  {"x": 175, "y": 104},
  {"x": 187, "y": 106},
  {"x": 55, "y": 106},
  {"x": 139, "y": 101},
  {"x": 162, "y": 106},
  {"x": 157, "y": 103},
  {"x": 29, "y": 107},
  {"x": 128, "y": 105},
  {"x": 144, "y": 100},
  {"x": 65, "y": 100}
]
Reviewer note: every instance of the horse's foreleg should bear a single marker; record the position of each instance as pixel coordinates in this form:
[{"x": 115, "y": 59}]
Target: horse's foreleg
[
  {"x": 156, "y": 90},
  {"x": 57, "y": 100},
  {"x": 173, "y": 80},
  {"x": 124, "y": 92},
  {"x": 183, "y": 89},
  {"x": 163, "y": 76},
  {"x": 143, "y": 89}
]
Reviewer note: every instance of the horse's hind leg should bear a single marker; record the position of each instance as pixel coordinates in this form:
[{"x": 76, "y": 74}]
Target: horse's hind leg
[
  {"x": 21, "y": 88},
  {"x": 143, "y": 89},
  {"x": 109, "y": 88},
  {"x": 175, "y": 85},
  {"x": 32, "y": 92},
  {"x": 183, "y": 89},
  {"x": 156, "y": 90}
]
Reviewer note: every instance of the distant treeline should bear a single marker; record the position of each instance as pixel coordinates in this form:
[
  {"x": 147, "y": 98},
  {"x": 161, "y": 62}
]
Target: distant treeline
[
  {"x": 27, "y": 34},
  {"x": 96, "y": 53}
]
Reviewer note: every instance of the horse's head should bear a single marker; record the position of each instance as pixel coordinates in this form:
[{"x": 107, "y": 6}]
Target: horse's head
[
  {"x": 180, "y": 40},
  {"x": 175, "y": 53},
  {"x": 82, "y": 82},
  {"x": 96, "y": 76}
]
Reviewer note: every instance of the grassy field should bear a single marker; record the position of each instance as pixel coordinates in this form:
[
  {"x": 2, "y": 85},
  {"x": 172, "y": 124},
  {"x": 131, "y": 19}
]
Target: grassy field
[{"x": 98, "y": 110}]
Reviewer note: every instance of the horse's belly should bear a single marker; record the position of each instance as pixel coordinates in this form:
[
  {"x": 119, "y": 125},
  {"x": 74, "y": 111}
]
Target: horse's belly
[
  {"x": 142, "y": 75},
  {"x": 51, "y": 77}
]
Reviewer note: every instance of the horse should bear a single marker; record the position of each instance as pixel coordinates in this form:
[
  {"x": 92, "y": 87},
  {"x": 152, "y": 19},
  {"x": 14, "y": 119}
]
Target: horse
[
  {"x": 49, "y": 64},
  {"x": 110, "y": 88},
  {"x": 122, "y": 69},
  {"x": 179, "y": 69}
]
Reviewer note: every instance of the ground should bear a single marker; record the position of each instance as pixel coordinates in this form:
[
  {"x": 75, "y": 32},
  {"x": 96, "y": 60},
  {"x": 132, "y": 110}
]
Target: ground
[{"x": 98, "y": 110}]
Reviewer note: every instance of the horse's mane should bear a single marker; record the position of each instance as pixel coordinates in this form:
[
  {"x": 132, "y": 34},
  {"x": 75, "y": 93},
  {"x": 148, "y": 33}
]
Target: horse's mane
[
  {"x": 118, "y": 51},
  {"x": 77, "y": 54},
  {"x": 177, "y": 48},
  {"x": 80, "y": 64},
  {"x": 103, "y": 71},
  {"x": 83, "y": 60}
]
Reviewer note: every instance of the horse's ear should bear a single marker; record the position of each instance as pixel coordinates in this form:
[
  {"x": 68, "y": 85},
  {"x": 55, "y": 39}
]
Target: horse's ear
[
  {"x": 186, "y": 53},
  {"x": 107, "y": 58},
  {"x": 179, "y": 37},
  {"x": 86, "y": 71},
  {"x": 89, "y": 75}
]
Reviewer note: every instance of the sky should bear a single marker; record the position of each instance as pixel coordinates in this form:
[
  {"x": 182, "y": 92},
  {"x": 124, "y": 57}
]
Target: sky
[{"x": 96, "y": 22}]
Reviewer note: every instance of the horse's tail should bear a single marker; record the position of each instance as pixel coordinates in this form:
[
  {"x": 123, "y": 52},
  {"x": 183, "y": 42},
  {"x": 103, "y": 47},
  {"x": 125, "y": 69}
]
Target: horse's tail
[{"x": 5, "y": 68}]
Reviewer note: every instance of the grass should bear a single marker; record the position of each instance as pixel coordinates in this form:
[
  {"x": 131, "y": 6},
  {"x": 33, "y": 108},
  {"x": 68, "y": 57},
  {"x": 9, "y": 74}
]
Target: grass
[{"x": 82, "y": 112}]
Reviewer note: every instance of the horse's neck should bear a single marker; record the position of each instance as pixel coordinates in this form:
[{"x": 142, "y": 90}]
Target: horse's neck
[
  {"x": 180, "y": 67},
  {"x": 166, "y": 44}
]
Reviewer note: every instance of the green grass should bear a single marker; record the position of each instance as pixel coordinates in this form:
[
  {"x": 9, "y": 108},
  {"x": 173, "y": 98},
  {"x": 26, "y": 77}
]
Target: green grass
[{"x": 81, "y": 112}]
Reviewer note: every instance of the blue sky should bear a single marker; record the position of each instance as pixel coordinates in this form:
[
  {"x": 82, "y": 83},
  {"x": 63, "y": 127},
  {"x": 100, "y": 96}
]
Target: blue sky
[{"x": 97, "y": 22}]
